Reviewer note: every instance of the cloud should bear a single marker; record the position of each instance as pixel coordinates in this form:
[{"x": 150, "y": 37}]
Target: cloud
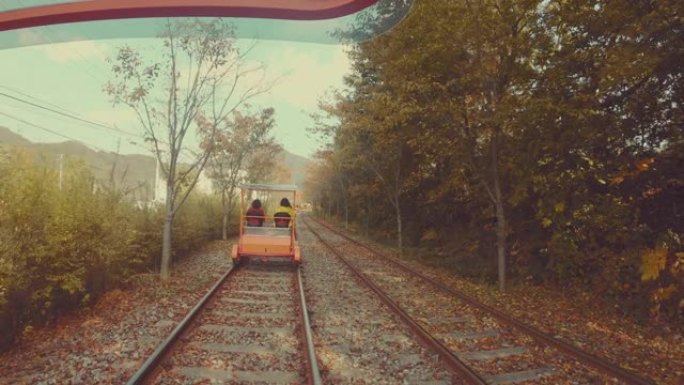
[
  {"x": 306, "y": 72},
  {"x": 121, "y": 117},
  {"x": 125, "y": 128},
  {"x": 31, "y": 37},
  {"x": 73, "y": 51}
]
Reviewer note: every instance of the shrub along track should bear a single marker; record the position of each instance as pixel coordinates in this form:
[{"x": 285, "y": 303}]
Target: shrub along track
[
  {"x": 251, "y": 327},
  {"x": 485, "y": 344}
]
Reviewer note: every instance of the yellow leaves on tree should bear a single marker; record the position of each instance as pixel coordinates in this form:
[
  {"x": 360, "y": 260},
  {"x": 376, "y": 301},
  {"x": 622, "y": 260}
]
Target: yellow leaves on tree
[
  {"x": 559, "y": 207},
  {"x": 430, "y": 235},
  {"x": 664, "y": 293},
  {"x": 678, "y": 266},
  {"x": 655, "y": 265},
  {"x": 653, "y": 262},
  {"x": 644, "y": 164}
]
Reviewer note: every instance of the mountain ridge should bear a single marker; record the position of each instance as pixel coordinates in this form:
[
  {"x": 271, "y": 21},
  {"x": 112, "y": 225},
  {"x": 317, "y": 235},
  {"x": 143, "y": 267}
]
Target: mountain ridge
[{"x": 131, "y": 171}]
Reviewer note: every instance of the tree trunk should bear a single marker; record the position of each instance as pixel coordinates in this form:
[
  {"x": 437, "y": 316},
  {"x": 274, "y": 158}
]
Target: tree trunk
[
  {"x": 166, "y": 247},
  {"x": 501, "y": 240},
  {"x": 345, "y": 202},
  {"x": 224, "y": 233},
  {"x": 500, "y": 217},
  {"x": 168, "y": 234},
  {"x": 367, "y": 218},
  {"x": 224, "y": 230},
  {"x": 400, "y": 243},
  {"x": 346, "y": 215},
  {"x": 346, "y": 207}
]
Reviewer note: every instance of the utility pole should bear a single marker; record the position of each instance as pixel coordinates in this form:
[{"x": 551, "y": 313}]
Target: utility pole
[
  {"x": 60, "y": 159},
  {"x": 156, "y": 196}
]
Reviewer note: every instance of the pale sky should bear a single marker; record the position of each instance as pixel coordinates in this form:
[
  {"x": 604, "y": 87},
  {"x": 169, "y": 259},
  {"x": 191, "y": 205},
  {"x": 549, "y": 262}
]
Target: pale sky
[{"x": 71, "y": 75}]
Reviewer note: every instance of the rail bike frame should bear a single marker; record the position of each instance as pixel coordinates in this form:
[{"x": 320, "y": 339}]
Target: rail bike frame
[{"x": 267, "y": 241}]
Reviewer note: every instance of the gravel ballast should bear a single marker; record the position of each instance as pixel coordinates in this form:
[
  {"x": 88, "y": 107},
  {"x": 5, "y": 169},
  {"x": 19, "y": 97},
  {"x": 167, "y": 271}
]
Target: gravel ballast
[
  {"x": 358, "y": 340},
  {"x": 108, "y": 344}
]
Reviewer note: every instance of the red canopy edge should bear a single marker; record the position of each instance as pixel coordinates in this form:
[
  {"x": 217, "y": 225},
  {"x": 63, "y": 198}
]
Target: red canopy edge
[{"x": 127, "y": 9}]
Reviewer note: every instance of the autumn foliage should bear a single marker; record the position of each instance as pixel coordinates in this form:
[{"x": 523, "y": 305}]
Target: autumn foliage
[
  {"x": 60, "y": 249},
  {"x": 553, "y": 129}
]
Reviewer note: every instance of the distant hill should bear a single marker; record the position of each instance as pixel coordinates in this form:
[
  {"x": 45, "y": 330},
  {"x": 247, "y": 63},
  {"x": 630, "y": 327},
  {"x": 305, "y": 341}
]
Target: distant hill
[
  {"x": 134, "y": 172},
  {"x": 296, "y": 165},
  {"x": 9, "y": 137}
]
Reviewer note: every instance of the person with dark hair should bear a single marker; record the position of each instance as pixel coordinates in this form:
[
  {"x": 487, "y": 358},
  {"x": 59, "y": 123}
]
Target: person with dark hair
[
  {"x": 284, "y": 214},
  {"x": 255, "y": 215}
]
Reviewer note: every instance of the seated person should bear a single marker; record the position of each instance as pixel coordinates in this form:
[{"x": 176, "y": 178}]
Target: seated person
[
  {"x": 284, "y": 214},
  {"x": 255, "y": 214}
]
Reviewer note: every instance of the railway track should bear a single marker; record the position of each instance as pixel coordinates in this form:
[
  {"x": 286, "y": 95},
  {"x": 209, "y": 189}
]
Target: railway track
[
  {"x": 482, "y": 344},
  {"x": 251, "y": 327}
]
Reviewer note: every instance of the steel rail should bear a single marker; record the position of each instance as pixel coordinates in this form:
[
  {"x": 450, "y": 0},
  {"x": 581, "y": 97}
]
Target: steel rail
[
  {"x": 453, "y": 363},
  {"x": 314, "y": 377},
  {"x": 582, "y": 355},
  {"x": 148, "y": 367}
]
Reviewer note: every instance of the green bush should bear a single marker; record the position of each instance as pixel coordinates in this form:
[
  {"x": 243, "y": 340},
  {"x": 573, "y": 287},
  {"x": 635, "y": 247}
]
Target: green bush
[
  {"x": 62, "y": 248},
  {"x": 197, "y": 221}
]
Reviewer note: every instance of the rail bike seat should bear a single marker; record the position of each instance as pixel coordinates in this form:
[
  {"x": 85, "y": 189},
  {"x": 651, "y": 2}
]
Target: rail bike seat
[{"x": 267, "y": 231}]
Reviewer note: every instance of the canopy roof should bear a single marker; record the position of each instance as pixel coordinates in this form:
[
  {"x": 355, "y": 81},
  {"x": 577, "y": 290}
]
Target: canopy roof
[
  {"x": 321, "y": 21},
  {"x": 60, "y": 11}
]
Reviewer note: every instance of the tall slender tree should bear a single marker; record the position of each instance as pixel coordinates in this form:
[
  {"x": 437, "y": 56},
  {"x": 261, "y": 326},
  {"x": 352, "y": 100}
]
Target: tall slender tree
[
  {"x": 194, "y": 82},
  {"x": 243, "y": 148}
]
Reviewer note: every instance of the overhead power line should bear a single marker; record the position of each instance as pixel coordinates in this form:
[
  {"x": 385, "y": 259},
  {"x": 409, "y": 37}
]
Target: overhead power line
[
  {"x": 51, "y": 131},
  {"x": 44, "y": 102},
  {"x": 72, "y": 115},
  {"x": 68, "y": 115}
]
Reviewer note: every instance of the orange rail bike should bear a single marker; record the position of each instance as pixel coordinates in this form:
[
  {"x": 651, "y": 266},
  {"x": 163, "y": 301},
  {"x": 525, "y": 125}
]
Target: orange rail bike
[{"x": 263, "y": 235}]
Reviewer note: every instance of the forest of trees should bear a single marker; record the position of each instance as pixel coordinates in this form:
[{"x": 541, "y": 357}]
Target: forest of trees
[{"x": 531, "y": 140}]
